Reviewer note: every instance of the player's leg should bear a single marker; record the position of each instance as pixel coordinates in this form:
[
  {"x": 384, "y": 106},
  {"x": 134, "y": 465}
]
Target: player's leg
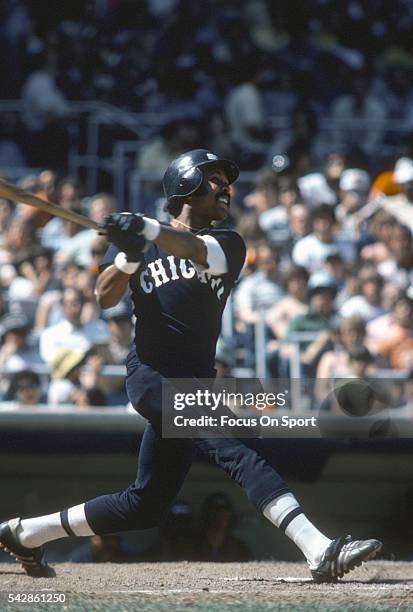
[
  {"x": 268, "y": 492},
  {"x": 327, "y": 558},
  {"x": 163, "y": 465}
]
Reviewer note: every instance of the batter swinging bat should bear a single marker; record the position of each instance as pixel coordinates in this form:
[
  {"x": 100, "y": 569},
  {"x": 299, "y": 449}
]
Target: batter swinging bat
[{"x": 15, "y": 194}]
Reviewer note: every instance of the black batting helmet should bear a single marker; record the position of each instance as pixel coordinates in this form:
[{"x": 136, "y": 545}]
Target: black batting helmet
[{"x": 184, "y": 175}]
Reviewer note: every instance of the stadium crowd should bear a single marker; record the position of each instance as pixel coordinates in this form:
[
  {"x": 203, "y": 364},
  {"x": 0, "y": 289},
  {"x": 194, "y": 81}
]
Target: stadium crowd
[
  {"x": 341, "y": 272},
  {"x": 328, "y": 223},
  {"x": 213, "y": 63}
]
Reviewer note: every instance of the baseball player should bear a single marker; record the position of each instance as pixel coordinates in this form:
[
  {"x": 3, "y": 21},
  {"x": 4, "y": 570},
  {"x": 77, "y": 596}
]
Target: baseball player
[{"x": 179, "y": 288}]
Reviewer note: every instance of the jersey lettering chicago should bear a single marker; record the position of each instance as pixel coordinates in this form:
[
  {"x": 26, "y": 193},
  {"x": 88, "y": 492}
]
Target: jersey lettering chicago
[
  {"x": 159, "y": 272},
  {"x": 179, "y": 309}
]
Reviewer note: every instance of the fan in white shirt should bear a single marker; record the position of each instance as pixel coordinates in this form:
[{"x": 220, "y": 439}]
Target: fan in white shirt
[
  {"x": 368, "y": 303},
  {"x": 71, "y": 333},
  {"x": 312, "y": 250}
]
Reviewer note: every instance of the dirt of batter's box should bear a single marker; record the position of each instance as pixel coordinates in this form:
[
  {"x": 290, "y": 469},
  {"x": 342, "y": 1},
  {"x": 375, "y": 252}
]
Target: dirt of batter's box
[{"x": 249, "y": 587}]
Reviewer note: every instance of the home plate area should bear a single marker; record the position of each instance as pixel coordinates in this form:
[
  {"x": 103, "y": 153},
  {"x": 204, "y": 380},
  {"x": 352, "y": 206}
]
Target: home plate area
[{"x": 223, "y": 587}]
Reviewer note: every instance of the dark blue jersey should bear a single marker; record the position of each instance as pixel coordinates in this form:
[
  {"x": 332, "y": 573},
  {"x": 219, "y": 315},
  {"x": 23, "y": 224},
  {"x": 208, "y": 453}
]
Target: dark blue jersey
[{"x": 179, "y": 309}]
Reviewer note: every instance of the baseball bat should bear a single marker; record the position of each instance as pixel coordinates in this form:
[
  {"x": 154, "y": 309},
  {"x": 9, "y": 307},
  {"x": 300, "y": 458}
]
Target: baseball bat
[{"x": 15, "y": 194}]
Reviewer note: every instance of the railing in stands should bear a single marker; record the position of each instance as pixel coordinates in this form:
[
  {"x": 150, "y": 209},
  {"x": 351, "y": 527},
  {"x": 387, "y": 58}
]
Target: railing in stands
[{"x": 142, "y": 126}]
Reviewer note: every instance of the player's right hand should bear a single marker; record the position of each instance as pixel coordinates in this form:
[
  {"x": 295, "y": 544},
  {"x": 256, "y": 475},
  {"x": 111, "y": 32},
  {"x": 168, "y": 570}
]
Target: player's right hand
[{"x": 121, "y": 229}]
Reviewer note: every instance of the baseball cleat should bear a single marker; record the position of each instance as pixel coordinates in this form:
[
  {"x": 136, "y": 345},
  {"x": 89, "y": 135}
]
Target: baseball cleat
[
  {"x": 32, "y": 559},
  {"x": 343, "y": 555}
]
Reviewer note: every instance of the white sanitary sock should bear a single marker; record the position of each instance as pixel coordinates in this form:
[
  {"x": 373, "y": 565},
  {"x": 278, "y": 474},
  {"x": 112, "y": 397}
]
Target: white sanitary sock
[
  {"x": 285, "y": 512},
  {"x": 34, "y": 532}
]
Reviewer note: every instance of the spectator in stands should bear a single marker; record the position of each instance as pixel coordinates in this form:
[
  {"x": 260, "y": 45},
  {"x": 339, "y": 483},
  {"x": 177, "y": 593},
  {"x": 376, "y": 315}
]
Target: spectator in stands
[
  {"x": 382, "y": 327},
  {"x": 15, "y": 352},
  {"x": 380, "y": 228},
  {"x": 214, "y": 541},
  {"x": 336, "y": 363},
  {"x": 319, "y": 320},
  {"x": 57, "y": 231},
  {"x": 390, "y": 295},
  {"x": 65, "y": 376},
  {"x": 38, "y": 269},
  {"x": 22, "y": 247},
  {"x": 367, "y": 304},
  {"x": 312, "y": 250},
  {"x": 335, "y": 266},
  {"x": 264, "y": 196},
  {"x": 119, "y": 320},
  {"x": 299, "y": 222},
  {"x": 72, "y": 385},
  {"x": 45, "y": 112},
  {"x": 295, "y": 281},
  {"x": 6, "y": 212},
  {"x": 49, "y": 310},
  {"x": 398, "y": 268},
  {"x": 354, "y": 188},
  {"x": 25, "y": 389},
  {"x": 70, "y": 333},
  {"x": 98, "y": 248},
  {"x": 359, "y": 359},
  {"x": 245, "y": 112},
  {"x": 318, "y": 188},
  {"x": 247, "y": 226},
  {"x": 78, "y": 247},
  {"x": 294, "y": 303},
  {"x": 397, "y": 346},
  {"x": 258, "y": 292},
  {"x": 47, "y": 181},
  {"x": 176, "y": 136},
  {"x": 288, "y": 192},
  {"x": 217, "y": 135},
  {"x": 43, "y": 186},
  {"x": 20, "y": 239},
  {"x": 301, "y": 129},
  {"x": 359, "y": 104},
  {"x": 91, "y": 390},
  {"x": 401, "y": 205},
  {"x": 275, "y": 219}
]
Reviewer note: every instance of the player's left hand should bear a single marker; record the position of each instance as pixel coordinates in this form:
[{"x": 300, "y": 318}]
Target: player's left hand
[{"x": 122, "y": 230}]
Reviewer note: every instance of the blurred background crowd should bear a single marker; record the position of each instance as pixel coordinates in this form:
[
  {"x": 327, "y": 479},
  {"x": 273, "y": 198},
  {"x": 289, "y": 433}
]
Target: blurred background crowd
[{"x": 312, "y": 100}]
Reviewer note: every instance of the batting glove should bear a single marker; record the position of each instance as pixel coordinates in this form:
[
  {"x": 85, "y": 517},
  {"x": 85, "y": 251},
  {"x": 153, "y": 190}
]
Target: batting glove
[
  {"x": 149, "y": 228},
  {"x": 122, "y": 230}
]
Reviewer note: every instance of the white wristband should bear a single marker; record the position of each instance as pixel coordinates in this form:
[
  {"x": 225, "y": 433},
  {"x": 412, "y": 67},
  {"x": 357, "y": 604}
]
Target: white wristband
[
  {"x": 151, "y": 229},
  {"x": 125, "y": 266}
]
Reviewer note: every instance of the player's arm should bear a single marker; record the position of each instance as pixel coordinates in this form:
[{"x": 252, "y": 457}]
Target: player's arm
[
  {"x": 123, "y": 259},
  {"x": 221, "y": 253},
  {"x": 203, "y": 251},
  {"x": 113, "y": 281},
  {"x": 111, "y": 286},
  {"x": 182, "y": 244}
]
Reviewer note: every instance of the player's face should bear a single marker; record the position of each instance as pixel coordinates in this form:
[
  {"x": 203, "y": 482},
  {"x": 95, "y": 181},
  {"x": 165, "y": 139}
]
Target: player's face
[{"x": 214, "y": 204}]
